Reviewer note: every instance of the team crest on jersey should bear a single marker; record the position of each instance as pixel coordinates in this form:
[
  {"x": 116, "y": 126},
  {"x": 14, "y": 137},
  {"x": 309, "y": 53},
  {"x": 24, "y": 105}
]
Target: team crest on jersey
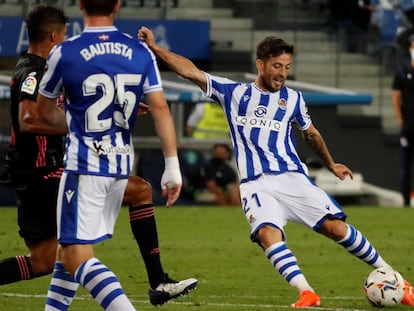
[
  {"x": 260, "y": 111},
  {"x": 103, "y": 37},
  {"x": 251, "y": 219},
  {"x": 29, "y": 84},
  {"x": 282, "y": 103}
]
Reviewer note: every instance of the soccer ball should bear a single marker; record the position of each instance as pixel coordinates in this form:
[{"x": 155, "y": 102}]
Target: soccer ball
[{"x": 384, "y": 287}]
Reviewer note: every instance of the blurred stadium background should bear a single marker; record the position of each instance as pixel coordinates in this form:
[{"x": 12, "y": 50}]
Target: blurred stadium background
[{"x": 344, "y": 66}]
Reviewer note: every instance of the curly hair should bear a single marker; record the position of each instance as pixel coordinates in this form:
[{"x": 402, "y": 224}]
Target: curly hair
[{"x": 44, "y": 19}]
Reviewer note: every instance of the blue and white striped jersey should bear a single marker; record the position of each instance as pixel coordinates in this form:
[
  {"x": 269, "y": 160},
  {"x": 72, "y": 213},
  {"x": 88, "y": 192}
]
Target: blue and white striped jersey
[
  {"x": 261, "y": 126},
  {"x": 103, "y": 73}
]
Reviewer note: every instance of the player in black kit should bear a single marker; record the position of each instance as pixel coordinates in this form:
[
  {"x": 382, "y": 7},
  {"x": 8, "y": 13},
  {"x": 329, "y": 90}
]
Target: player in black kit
[{"x": 34, "y": 163}]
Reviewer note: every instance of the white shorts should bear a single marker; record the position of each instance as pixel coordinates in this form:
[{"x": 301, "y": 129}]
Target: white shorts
[
  {"x": 88, "y": 207},
  {"x": 275, "y": 199}
]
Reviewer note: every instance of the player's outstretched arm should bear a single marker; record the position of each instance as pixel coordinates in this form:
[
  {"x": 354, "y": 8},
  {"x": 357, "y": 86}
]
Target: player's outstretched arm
[
  {"x": 177, "y": 63},
  {"x": 316, "y": 142}
]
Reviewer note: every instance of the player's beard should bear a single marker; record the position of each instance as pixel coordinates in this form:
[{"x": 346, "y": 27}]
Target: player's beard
[{"x": 275, "y": 83}]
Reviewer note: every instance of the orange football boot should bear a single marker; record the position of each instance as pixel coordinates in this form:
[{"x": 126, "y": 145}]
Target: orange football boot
[
  {"x": 307, "y": 299},
  {"x": 408, "y": 298}
]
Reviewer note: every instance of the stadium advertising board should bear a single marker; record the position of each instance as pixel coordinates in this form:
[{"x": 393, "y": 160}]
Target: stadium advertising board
[{"x": 186, "y": 37}]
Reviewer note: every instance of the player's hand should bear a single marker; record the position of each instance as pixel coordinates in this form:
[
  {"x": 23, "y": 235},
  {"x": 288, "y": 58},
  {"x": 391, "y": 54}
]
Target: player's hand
[
  {"x": 146, "y": 35},
  {"x": 60, "y": 101},
  {"x": 171, "y": 180},
  {"x": 171, "y": 183},
  {"x": 341, "y": 171},
  {"x": 143, "y": 109}
]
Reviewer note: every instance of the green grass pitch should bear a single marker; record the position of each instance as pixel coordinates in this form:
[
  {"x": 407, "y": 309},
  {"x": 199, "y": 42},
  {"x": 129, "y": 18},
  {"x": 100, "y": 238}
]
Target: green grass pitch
[{"x": 212, "y": 244}]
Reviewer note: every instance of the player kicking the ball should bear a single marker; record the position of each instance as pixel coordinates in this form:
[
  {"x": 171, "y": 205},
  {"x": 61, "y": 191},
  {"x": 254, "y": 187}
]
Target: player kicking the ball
[{"x": 275, "y": 187}]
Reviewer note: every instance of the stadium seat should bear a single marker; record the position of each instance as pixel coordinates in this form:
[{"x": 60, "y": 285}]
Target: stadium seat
[{"x": 389, "y": 23}]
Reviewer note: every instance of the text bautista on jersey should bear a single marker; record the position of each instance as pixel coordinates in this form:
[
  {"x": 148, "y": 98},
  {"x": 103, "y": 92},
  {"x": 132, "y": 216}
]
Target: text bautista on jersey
[{"x": 106, "y": 48}]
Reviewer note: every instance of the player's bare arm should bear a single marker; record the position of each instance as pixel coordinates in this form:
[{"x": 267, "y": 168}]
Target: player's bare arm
[
  {"x": 42, "y": 117},
  {"x": 316, "y": 142},
  {"x": 179, "y": 64},
  {"x": 171, "y": 181},
  {"x": 164, "y": 124}
]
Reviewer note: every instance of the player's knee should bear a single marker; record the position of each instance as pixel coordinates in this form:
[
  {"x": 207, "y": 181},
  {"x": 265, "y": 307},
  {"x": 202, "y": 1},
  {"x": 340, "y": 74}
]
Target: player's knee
[
  {"x": 268, "y": 235},
  {"x": 42, "y": 263},
  {"x": 142, "y": 193},
  {"x": 334, "y": 229},
  {"x": 42, "y": 256}
]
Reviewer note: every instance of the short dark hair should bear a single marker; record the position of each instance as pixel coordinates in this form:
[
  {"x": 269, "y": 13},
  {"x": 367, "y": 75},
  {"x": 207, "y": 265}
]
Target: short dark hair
[
  {"x": 44, "y": 19},
  {"x": 272, "y": 46},
  {"x": 99, "y": 7}
]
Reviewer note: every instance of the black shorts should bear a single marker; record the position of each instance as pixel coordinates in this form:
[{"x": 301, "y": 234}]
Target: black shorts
[{"x": 37, "y": 210}]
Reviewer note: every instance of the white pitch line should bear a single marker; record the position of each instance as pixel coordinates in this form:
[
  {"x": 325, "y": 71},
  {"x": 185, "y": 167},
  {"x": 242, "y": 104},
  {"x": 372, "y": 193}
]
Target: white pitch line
[{"x": 213, "y": 304}]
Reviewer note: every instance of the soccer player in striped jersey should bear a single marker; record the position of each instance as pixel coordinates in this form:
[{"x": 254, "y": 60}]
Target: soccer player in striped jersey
[
  {"x": 104, "y": 73},
  {"x": 35, "y": 164},
  {"x": 275, "y": 187}
]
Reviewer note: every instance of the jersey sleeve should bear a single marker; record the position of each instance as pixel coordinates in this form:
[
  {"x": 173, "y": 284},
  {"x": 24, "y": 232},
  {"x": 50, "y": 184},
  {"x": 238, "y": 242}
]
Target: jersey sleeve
[
  {"x": 153, "y": 80},
  {"x": 218, "y": 87},
  {"x": 30, "y": 84},
  {"x": 51, "y": 83},
  {"x": 302, "y": 117}
]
